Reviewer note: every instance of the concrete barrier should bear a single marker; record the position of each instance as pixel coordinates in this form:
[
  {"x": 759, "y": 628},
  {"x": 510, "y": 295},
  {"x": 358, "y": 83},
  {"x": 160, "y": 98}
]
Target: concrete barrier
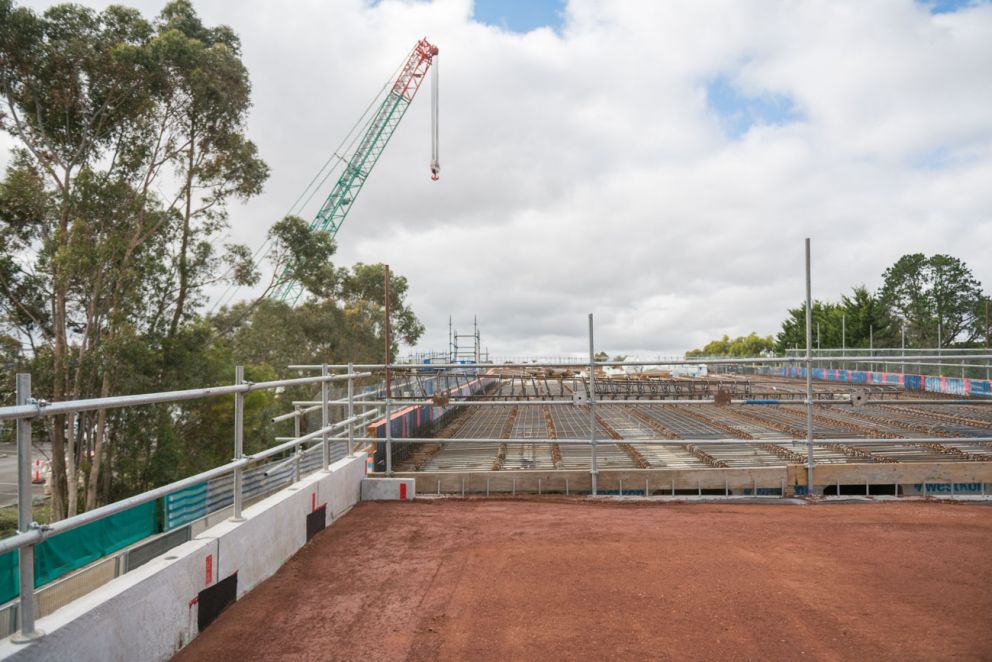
[
  {"x": 388, "y": 489},
  {"x": 747, "y": 480},
  {"x": 155, "y": 610}
]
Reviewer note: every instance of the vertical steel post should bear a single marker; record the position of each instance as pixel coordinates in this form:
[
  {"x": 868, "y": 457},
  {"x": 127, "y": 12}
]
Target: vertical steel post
[
  {"x": 843, "y": 338},
  {"x": 389, "y": 388},
  {"x": 809, "y": 376},
  {"x": 239, "y": 438},
  {"x": 25, "y": 517},
  {"x": 592, "y": 409},
  {"x": 299, "y": 455},
  {"x": 871, "y": 346},
  {"x": 940, "y": 350},
  {"x": 351, "y": 410},
  {"x": 325, "y": 419},
  {"x": 986, "y": 341},
  {"x": 904, "y": 350},
  {"x": 389, "y": 436}
]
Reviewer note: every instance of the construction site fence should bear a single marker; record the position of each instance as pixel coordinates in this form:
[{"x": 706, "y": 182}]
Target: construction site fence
[{"x": 981, "y": 388}]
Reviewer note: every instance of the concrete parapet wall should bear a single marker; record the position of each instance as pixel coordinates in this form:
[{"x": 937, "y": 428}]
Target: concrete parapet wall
[
  {"x": 152, "y": 612},
  {"x": 388, "y": 489}
]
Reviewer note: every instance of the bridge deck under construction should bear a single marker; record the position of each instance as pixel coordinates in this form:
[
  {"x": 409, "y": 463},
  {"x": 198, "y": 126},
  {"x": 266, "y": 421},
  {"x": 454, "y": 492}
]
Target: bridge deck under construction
[{"x": 773, "y": 429}]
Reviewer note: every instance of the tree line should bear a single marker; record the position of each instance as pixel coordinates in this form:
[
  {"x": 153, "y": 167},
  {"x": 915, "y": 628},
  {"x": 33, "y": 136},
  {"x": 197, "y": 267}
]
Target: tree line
[
  {"x": 130, "y": 147},
  {"x": 931, "y": 301}
]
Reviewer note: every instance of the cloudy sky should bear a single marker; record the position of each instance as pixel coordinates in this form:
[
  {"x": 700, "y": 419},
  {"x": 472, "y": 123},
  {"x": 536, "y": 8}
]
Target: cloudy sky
[{"x": 655, "y": 163}]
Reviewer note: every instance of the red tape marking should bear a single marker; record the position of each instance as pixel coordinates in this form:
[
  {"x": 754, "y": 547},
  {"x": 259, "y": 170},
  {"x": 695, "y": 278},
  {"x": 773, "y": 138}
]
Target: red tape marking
[
  {"x": 210, "y": 568},
  {"x": 313, "y": 502},
  {"x": 403, "y": 491}
]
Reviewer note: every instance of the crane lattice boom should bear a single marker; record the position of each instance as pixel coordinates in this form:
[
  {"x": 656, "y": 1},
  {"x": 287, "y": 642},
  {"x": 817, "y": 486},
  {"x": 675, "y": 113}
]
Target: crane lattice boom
[{"x": 358, "y": 168}]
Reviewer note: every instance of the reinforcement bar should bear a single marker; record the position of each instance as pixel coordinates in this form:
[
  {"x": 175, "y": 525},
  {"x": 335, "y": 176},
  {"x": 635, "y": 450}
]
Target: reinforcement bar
[{"x": 680, "y": 442}]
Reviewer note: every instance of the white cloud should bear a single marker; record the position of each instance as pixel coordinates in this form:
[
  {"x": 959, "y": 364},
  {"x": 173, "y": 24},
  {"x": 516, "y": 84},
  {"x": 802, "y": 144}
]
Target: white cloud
[{"x": 584, "y": 172}]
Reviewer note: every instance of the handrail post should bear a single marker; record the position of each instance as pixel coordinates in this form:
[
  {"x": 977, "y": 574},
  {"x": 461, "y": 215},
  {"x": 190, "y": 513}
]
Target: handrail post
[
  {"x": 593, "y": 472},
  {"x": 325, "y": 420},
  {"x": 239, "y": 432},
  {"x": 387, "y": 339},
  {"x": 351, "y": 410},
  {"x": 297, "y": 468},
  {"x": 809, "y": 376},
  {"x": 389, "y": 436},
  {"x": 25, "y": 611}
]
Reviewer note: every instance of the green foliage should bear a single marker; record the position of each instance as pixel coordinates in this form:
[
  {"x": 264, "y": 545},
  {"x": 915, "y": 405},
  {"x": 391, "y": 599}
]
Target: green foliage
[
  {"x": 130, "y": 144},
  {"x": 861, "y": 319},
  {"x": 749, "y": 345},
  {"x": 930, "y": 292},
  {"x": 927, "y": 296}
]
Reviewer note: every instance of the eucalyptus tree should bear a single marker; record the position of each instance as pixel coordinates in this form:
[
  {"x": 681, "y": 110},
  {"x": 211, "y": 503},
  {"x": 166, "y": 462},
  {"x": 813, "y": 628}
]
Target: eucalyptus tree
[
  {"x": 937, "y": 298},
  {"x": 130, "y": 141}
]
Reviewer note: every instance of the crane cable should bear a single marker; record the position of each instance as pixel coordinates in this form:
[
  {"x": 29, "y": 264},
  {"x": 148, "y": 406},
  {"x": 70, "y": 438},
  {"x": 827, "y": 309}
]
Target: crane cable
[
  {"x": 435, "y": 162},
  {"x": 347, "y": 143}
]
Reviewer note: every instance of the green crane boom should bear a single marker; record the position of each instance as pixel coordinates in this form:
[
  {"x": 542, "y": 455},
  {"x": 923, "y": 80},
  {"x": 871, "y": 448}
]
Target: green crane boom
[{"x": 358, "y": 168}]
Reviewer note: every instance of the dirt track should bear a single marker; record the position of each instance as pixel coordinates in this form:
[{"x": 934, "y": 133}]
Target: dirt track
[{"x": 541, "y": 579}]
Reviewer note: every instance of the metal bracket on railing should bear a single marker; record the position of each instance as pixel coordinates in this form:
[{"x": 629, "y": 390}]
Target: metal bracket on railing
[{"x": 35, "y": 526}]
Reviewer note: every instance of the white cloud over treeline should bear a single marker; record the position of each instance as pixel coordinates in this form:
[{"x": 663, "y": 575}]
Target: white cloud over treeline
[{"x": 588, "y": 169}]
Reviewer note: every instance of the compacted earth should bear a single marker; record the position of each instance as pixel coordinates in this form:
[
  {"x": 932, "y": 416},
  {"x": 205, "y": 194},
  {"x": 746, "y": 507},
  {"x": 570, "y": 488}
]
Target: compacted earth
[{"x": 547, "y": 578}]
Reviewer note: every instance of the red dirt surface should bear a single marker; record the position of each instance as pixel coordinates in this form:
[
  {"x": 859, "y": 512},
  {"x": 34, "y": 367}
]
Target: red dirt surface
[{"x": 572, "y": 579}]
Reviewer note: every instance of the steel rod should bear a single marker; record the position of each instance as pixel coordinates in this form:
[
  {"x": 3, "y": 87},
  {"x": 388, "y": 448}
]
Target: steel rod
[
  {"x": 809, "y": 375},
  {"x": 592, "y": 409},
  {"x": 325, "y": 420},
  {"x": 793, "y": 441},
  {"x": 239, "y": 417},
  {"x": 335, "y": 426},
  {"x": 297, "y": 466},
  {"x": 351, "y": 411},
  {"x": 47, "y": 409},
  {"x": 25, "y": 518}
]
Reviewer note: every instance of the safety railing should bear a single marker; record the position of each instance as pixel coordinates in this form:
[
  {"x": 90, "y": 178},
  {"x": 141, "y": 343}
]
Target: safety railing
[
  {"x": 27, "y": 410},
  {"x": 178, "y": 526}
]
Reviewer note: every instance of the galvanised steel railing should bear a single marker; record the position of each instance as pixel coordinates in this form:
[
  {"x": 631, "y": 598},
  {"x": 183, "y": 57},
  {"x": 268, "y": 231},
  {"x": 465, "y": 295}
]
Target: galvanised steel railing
[{"x": 28, "y": 409}]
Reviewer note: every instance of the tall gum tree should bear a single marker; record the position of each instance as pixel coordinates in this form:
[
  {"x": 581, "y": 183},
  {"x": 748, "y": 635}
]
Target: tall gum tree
[
  {"x": 936, "y": 297},
  {"x": 130, "y": 142}
]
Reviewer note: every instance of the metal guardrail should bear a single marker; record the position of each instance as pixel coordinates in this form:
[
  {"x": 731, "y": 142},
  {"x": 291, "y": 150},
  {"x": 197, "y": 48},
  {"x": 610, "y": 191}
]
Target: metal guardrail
[
  {"x": 259, "y": 483},
  {"x": 27, "y": 409},
  {"x": 243, "y": 483}
]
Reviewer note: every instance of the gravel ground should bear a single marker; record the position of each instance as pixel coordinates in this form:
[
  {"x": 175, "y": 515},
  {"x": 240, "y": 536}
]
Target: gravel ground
[{"x": 487, "y": 579}]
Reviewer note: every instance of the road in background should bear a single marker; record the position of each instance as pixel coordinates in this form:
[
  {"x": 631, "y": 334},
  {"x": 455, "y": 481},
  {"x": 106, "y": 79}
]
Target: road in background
[{"x": 8, "y": 472}]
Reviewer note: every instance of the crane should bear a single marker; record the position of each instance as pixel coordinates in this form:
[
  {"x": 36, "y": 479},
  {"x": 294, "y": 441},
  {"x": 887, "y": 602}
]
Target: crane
[{"x": 359, "y": 166}]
